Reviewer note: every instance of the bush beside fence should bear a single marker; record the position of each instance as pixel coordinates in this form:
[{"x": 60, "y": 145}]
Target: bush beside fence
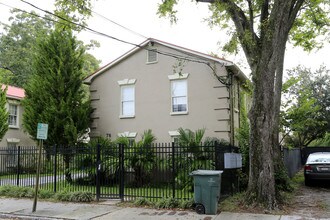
[{"x": 153, "y": 172}]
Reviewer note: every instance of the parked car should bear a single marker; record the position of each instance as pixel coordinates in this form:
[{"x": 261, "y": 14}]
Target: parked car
[{"x": 317, "y": 167}]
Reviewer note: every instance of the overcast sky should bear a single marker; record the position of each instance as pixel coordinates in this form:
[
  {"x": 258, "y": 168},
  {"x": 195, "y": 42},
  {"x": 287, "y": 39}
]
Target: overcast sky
[{"x": 140, "y": 16}]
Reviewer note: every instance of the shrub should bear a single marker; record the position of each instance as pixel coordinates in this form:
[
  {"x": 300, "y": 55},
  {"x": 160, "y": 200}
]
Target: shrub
[
  {"x": 167, "y": 203},
  {"x": 45, "y": 194},
  {"x": 26, "y": 192},
  {"x": 16, "y": 192},
  {"x": 186, "y": 204},
  {"x": 81, "y": 197},
  {"x": 62, "y": 196},
  {"x": 142, "y": 202}
]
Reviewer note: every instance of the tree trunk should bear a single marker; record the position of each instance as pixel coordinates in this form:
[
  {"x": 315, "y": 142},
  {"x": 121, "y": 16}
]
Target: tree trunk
[
  {"x": 261, "y": 177},
  {"x": 267, "y": 71}
]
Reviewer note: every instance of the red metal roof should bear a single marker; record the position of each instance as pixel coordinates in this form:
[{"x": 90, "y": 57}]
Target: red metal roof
[{"x": 14, "y": 92}]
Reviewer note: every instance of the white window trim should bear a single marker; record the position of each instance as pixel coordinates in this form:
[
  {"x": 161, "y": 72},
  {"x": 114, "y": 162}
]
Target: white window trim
[
  {"x": 122, "y": 83},
  {"x": 177, "y": 76},
  {"x": 151, "y": 62},
  {"x": 121, "y": 103},
  {"x": 174, "y": 135},
  {"x": 127, "y": 134},
  {"x": 182, "y": 112},
  {"x": 13, "y": 140},
  {"x": 125, "y": 82},
  {"x": 17, "y": 116}
]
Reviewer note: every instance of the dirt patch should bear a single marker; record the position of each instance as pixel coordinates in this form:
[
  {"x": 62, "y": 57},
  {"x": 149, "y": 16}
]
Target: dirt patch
[
  {"x": 307, "y": 202},
  {"x": 311, "y": 201}
]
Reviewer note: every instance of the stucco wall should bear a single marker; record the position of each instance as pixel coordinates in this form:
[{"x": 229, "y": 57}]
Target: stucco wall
[
  {"x": 17, "y": 134},
  {"x": 208, "y": 103}
]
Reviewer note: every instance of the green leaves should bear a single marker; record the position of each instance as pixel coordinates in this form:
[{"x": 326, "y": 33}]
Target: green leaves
[
  {"x": 311, "y": 28},
  {"x": 307, "y": 106},
  {"x": 166, "y": 9},
  {"x": 140, "y": 156},
  {"x": 55, "y": 95},
  {"x": 189, "y": 138},
  {"x": 17, "y": 44},
  {"x": 3, "y": 112}
]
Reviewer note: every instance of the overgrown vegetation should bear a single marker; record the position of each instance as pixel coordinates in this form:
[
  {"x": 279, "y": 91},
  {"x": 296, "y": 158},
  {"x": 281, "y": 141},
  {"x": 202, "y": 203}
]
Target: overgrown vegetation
[
  {"x": 238, "y": 203},
  {"x": 243, "y": 135},
  {"x": 26, "y": 192},
  {"x": 163, "y": 203}
]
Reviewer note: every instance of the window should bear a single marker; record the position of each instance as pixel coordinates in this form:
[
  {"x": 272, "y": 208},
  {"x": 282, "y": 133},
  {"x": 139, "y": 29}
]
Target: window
[
  {"x": 179, "y": 96},
  {"x": 152, "y": 56},
  {"x": 13, "y": 115},
  {"x": 127, "y": 101}
]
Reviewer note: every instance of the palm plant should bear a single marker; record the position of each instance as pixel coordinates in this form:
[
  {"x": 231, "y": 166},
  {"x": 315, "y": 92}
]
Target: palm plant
[
  {"x": 139, "y": 156},
  {"x": 88, "y": 161},
  {"x": 193, "y": 156}
]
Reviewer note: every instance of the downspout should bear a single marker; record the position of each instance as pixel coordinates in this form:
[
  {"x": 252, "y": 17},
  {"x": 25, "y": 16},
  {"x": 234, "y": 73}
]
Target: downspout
[{"x": 231, "y": 109}]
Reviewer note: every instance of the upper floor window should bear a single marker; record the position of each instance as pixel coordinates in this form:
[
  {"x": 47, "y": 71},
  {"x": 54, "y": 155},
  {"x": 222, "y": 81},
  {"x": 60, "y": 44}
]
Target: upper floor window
[
  {"x": 152, "y": 56},
  {"x": 128, "y": 101},
  {"x": 179, "y": 96},
  {"x": 13, "y": 115}
]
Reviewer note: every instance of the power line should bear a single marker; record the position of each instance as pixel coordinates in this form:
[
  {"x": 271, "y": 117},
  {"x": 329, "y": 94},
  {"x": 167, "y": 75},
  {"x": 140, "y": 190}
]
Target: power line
[
  {"x": 176, "y": 56},
  {"x": 114, "y": 38},
  {"x": 79, "y": 25},
  {"x": 102, "y": 16}
]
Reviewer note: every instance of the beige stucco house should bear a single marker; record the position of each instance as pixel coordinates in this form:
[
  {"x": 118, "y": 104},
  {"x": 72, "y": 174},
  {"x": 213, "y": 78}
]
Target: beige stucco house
[
  {"x": 15, "y": 136},
  {"x": 163, "y": 87}
]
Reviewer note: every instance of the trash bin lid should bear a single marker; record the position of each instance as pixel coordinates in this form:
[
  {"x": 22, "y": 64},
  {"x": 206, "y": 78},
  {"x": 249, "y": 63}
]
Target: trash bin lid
[{"x": 206, "y": 172}]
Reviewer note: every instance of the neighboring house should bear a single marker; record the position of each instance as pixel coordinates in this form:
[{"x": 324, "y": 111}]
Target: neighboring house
[
  {"x": 163, "y": 87},
  {"x": 15, "y": 135}
]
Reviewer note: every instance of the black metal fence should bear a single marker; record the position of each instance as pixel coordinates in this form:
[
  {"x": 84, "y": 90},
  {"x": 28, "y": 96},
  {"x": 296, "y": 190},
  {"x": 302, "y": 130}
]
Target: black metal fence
[{"x": 155, "y": 171}]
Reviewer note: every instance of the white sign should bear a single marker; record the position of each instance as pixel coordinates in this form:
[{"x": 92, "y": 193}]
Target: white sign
[
  {"x": 42, "y": 131},
  {"x": 233, "y": 160}
]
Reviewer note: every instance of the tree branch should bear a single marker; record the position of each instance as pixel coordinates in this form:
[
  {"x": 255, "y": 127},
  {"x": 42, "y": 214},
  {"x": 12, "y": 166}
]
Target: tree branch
[
  {"x": 294, "y": 9},
  {"x": 264, "y": 12},
  {"x": 251, "y": 15},
  {"x": 243, "y": 28}
]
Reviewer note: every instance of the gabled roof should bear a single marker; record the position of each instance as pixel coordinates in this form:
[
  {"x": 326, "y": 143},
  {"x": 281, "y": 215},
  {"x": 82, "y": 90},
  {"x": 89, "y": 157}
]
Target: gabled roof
[
  {"x": 193, "y": 53},
  {"x": 14, "y": 92}
]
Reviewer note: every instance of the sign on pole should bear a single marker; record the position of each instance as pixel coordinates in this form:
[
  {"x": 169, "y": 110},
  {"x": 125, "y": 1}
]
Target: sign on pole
[{"x": 42, "y": 131}]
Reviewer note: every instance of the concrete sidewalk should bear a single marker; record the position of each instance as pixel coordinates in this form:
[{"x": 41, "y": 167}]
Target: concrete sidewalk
[{"x": 22, "y": 209}]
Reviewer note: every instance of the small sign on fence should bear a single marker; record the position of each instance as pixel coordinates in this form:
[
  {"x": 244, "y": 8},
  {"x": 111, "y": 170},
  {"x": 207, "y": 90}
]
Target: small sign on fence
[{"x": 233, "y": 160}]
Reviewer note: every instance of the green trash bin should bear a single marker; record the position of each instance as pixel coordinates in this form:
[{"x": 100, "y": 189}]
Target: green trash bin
[{"x": 207, "y": 185}]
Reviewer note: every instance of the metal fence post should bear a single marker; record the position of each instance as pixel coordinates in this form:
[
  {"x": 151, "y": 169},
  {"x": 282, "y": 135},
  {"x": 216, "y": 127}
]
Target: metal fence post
[
  {"x": 55, "y": 166},
  {"x": 98, "y": 170},
  {"x": 173, "y": 170},
  {"x": 121, "y": 172},
  {"x": 18, "y": 164}
]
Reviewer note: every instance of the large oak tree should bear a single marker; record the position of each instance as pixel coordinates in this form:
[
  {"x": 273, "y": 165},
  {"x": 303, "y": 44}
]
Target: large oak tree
[{"x": 262, "y": 28}]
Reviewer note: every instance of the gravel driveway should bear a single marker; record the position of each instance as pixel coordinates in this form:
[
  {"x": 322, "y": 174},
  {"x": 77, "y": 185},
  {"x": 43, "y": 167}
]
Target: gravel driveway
[{"x": 312, "y": 201}]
